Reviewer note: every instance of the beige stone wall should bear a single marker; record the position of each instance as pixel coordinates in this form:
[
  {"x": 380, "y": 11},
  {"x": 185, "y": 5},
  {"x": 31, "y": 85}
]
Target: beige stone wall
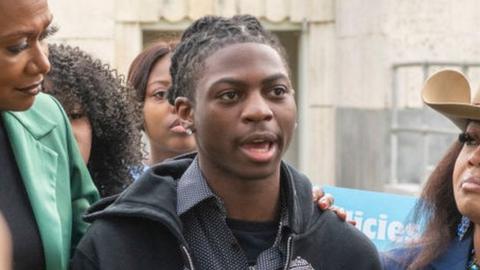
[
  {"x": 89, "y": 24},
  {"x": 347, "y": 50},
  {"x": 112, "y": 30}
]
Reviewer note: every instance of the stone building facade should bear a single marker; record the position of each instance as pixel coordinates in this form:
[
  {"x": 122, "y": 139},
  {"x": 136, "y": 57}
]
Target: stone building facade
[{"x": 358, "y": 69}]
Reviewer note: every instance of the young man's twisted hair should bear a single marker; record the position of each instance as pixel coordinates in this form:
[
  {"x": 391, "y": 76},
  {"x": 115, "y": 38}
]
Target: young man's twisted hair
[
  {"x": 207, "y": 35},
  {"x": 77, "y": 79}
]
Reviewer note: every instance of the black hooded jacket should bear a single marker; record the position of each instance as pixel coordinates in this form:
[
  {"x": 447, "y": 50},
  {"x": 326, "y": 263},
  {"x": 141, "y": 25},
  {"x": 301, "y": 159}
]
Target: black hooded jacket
[{"x": 139, "y": 229}]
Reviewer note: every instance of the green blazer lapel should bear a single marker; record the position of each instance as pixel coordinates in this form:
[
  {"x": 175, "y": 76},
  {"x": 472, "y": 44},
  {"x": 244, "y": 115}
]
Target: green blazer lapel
[{"x": 37, "y": 164}]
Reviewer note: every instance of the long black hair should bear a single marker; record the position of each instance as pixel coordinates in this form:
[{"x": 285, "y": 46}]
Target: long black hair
[
  {"x": 438, "y": 210},
  {"x": 76, "y": 78}
]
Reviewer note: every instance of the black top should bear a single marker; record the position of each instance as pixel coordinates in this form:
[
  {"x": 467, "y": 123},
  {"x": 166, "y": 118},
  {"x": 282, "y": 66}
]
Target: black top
[
  {"x": 253, "y": 237},
  {"x": 211, "y": 241},
  {"x": 145, "y": 217},
  {"x": 15, "y": 207}
]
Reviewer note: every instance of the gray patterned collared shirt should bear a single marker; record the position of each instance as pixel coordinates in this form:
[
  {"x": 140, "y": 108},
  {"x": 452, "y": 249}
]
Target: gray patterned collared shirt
[{"x": 212, "y": 244}]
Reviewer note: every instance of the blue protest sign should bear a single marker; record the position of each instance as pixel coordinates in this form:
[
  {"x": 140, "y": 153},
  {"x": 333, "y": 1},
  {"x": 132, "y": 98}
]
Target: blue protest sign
[{"x": 383, "y": 217}]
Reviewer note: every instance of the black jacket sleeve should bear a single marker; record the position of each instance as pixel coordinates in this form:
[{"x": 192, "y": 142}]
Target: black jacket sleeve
[
  {"x": 81, "y": 261},
  {"x": 336, "y": 245},
  {"x": 121, "y": 243}
]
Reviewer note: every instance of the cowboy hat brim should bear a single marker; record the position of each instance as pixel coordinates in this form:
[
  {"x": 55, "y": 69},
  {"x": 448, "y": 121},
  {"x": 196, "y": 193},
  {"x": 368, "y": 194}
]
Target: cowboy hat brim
[
  {"x": 448, "y": 92},
  {"x": 459, "y": 114}
]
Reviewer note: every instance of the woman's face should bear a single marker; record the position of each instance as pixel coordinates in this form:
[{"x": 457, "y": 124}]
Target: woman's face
[
  {"x": 466, "y": 174},
  {"x": 82, "y": 131},
  {"x": 162, "y": 126},
  {"x": 81, "y": 126},
  {"x": 23, "y": 54}
]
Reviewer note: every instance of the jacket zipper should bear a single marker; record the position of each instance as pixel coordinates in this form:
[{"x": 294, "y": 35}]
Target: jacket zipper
[
  {"x": 289, "y": 252},
  {"x": 187, "y": 254}
]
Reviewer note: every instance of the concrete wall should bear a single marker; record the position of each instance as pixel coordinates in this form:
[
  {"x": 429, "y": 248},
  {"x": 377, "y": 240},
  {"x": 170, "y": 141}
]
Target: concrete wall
[
  {"x": 375, "y": 35},
  {"x": 346, "y": 52},
  {"x": 89, "y": 24}
]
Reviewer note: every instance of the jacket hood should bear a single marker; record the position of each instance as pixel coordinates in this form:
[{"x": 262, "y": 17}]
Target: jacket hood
[
  {"x": 153, "y": 196},
  {"x": 299, "y": 198}
]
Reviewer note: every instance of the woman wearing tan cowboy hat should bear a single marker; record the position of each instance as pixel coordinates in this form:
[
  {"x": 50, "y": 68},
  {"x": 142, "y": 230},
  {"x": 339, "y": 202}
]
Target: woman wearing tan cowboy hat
[{"x": 450, "y": 200}]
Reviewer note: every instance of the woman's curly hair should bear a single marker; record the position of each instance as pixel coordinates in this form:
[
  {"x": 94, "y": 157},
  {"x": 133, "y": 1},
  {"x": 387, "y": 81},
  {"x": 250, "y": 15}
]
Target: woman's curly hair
[{"x": 76, "y": 78}]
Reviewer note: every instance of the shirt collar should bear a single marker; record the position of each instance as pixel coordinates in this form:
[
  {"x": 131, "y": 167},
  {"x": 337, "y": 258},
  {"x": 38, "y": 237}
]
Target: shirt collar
[
  {"x": 284, "y": 225},
  {"x": 192, "y": 188}
]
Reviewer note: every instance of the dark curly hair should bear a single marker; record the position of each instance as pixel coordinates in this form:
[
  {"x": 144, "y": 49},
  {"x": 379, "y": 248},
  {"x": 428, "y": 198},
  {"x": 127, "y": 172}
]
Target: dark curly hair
[
  {"x": 76, "y": 78},
  {"x": 207, "y": 35}
]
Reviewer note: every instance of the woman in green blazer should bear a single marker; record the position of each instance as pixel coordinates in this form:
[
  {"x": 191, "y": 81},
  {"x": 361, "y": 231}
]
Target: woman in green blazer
[
  {"x": 55, "y": 177},
  {"x": 39, "y": 159}
]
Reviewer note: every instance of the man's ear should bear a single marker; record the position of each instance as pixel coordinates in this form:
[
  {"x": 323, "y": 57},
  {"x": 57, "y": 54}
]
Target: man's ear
[{"x": 184, "y": 110}]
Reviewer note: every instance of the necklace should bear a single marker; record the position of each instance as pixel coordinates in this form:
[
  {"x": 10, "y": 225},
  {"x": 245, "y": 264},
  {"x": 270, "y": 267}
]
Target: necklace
[{"x": 472, "y": 263}]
